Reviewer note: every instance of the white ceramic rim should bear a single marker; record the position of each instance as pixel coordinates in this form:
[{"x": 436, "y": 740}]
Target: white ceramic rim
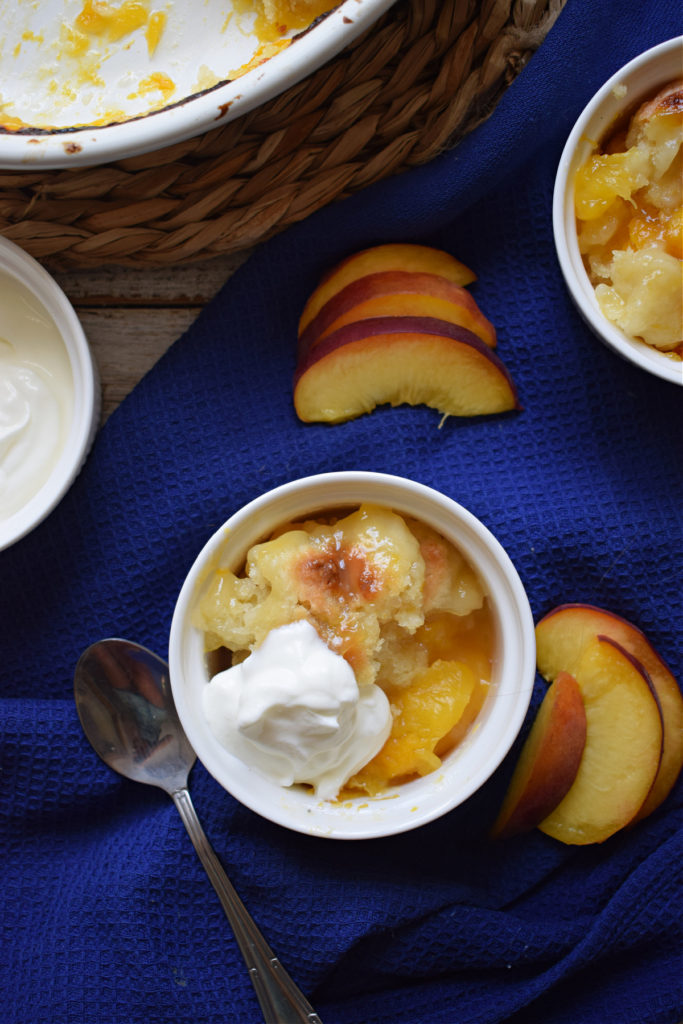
[
  {"x": 16, "y": 263},
  {"x": 641, "y": 77},
  {"x": 465, "y": 770},
  {"x": 87, "y": 146}
]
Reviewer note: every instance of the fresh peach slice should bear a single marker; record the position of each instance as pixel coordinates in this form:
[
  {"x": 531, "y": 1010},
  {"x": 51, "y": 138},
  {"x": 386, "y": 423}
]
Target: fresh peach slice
[
  {"x": 549, "y": 761},
  {"x": 397, "y": 360},
  {"x": 561, "y": 637},
  {"x": 623, "y": 747},
  {"x": 394, "y": 256},
  {"x": 398, "y": 293}
]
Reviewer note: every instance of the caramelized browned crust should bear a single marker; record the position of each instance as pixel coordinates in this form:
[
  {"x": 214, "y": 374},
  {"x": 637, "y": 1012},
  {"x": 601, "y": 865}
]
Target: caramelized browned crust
[{"x": 668, "y": 100}]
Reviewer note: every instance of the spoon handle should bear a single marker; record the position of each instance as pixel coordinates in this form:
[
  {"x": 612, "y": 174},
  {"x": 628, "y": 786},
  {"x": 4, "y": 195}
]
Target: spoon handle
[{"x": 281, "y": 1001}]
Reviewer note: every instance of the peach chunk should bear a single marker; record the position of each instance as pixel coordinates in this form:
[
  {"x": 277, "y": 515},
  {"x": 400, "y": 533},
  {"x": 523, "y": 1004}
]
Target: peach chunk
[
  {"x": 398, "y": 293},
  {"x": 561, "y": 637},
  {"x": 622, "y": 751},
  {"x": 397, "y": 360},
  {"x": 424, "y": 711},
  {"x": 469, "y": 639},
  {"x": 394, "y": 256},
  {"x": 549, "y": 760}
]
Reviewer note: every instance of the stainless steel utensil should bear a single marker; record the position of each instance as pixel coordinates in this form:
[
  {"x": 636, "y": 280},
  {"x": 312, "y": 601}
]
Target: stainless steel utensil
[{"x": 124, "y": 701}]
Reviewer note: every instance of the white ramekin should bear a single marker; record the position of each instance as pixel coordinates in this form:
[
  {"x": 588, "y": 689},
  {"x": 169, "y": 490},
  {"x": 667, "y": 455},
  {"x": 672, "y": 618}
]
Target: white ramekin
[
  {"x": 465, "y": 769},
  {"x": 634, "y": 83}
]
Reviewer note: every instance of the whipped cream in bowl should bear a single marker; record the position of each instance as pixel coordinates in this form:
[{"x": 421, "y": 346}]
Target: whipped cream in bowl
[
  {"x": 281, "y": 723},
  {"x": 36, "y": 396},
  {"x": 49, "y": 397}
]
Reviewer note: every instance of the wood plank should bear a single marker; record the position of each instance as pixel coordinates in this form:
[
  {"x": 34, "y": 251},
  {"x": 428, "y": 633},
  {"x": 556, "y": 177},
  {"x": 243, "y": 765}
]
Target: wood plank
[
  {"x": 132, "y": 314},
  {"x": 191, "y": 284}
]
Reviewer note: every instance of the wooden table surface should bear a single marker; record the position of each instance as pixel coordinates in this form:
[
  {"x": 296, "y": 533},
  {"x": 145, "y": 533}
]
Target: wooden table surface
[{"x": 131, "y": 315}]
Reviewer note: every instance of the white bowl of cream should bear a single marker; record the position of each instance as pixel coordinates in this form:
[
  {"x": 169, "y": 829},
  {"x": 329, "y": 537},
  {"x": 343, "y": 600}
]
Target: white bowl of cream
[
  {"x": 229, "y": 747},
  {"x": 49, "y": 395}
]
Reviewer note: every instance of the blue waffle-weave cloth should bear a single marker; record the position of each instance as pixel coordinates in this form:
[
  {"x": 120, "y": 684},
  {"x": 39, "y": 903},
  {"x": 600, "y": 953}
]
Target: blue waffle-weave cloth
[{"x": 107, "y": 916}]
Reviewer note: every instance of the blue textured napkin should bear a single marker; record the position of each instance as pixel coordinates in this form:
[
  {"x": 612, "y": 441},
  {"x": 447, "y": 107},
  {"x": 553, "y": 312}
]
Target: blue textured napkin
[{"x": 107, "y": 917}]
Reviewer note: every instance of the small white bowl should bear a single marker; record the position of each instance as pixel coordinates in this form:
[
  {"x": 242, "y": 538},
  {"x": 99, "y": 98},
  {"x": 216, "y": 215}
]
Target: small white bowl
[
  {"x": 467, "y": 767},
  {"x": 23, "y": 272},
  {"x": 622, "y": 93}
]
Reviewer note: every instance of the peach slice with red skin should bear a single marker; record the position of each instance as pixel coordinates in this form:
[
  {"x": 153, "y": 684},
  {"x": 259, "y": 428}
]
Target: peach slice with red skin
[
  {"x": 549, "y": 760},
  {"x": 623, "y": 747},
  {"x": 561, "y": 636},
  {"x": 398, "y": 293},
  {"x": 401, "y": 360},
  {"x": 393, "y": 256}
]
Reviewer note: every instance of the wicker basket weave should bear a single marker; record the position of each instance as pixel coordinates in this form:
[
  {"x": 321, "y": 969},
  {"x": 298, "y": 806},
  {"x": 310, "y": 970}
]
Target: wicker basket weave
[{"x": 426, "y": 74}]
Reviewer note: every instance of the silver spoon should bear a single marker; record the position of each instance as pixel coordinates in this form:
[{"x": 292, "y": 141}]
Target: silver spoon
[{"x": 126, "y": 708}]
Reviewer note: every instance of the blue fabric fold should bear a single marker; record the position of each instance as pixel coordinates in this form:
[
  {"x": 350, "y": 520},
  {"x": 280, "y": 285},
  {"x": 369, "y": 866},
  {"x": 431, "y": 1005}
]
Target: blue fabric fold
[{"x": 107, "y": 917}]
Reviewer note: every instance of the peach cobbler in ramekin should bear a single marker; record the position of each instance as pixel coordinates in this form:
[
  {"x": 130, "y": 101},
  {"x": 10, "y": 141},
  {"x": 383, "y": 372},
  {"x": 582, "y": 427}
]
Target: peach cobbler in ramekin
[
  {"x": 629, "y": 208},
  {"x": 395, "y": 600}
]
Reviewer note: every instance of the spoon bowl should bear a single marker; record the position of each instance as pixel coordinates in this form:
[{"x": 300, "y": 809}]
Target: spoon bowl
[
  {"x": 124, "y": 701},
  {"x": 125, "y": 705}
]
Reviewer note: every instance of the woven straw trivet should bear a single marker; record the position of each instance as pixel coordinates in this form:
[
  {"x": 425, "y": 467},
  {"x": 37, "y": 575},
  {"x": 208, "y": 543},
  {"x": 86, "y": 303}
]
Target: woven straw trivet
[{"x": 409, "y": 88}]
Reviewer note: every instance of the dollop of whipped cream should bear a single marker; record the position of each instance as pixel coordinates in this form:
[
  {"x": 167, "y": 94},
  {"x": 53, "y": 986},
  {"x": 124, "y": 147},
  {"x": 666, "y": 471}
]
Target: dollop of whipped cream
[
  {"x": 294, "y": 712},
  {"x": 36, "y": 396},
  {"x": 30, "y": 433}
]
